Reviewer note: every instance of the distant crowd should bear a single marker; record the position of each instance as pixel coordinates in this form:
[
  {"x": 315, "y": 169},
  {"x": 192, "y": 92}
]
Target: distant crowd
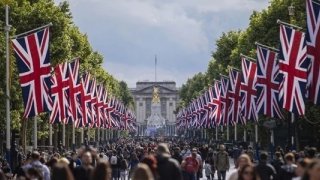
[{"x": 163, "y": 159}]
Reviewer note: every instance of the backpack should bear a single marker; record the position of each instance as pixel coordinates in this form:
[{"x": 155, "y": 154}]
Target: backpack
[{"x": 113, "y": 160}]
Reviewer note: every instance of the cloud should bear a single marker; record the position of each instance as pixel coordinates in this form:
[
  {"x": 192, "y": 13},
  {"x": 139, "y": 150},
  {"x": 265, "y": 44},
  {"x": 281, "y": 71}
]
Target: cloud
[{"x": 181, "y": 32}]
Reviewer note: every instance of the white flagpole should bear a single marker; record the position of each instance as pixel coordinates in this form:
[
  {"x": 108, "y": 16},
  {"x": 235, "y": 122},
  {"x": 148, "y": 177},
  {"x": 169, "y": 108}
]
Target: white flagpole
[
  {"x": 50, "y": 134},
  {"x": 245, "y": 135},
  {"x": 216, "y": 133},
  {"x": 63, "y": 135},
  {"x": 235, "y": 133},
  {"x": 256, "y": 132},
  {"x": 228, "y": 138},
  {"x": 8, "y": 118},
  {"x": 82, "y": 135},
  {"x": 73, "y": 135},
  {"x": 35, "y": 134}
]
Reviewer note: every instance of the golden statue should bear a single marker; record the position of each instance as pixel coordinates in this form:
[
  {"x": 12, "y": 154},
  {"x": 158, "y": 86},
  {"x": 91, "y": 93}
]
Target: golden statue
[{"x": 155, "y": 96}]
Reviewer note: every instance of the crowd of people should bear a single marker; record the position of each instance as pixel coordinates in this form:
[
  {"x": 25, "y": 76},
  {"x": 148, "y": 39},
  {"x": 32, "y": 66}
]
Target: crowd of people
[{"x": 163, "y": 159}]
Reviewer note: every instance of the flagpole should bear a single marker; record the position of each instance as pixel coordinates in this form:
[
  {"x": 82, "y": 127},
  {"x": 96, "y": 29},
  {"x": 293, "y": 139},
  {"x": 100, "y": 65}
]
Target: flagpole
[
  {"x": 228, "y": 137},
  {"x": 235, "y": 132},
  {"x": 73, "y": 136},
  {"x": 33, "y": 30},
  {"x": 247, "y": 57},
  {"x": 267, "y": 47},
  {"x": 289, "y": 25},
  {"x": 256, "y": 132},
  {"x": 245, "y": 135},
  {"x": 63, "y": 135},
  {"x": 35, "y": 134},
  {"x": 50, "y": 134},
  {"x": 292, "y": 131},
  {"x": 8, "y": 118},
  {"x": 82, "y": 135}
]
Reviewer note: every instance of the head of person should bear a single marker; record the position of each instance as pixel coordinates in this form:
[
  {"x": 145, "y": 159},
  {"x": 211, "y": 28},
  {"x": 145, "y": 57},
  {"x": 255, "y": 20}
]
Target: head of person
[
  {"x": 313, "y": 170},
  {"x": 151, "y": 161},
  {"x": 163, "y": 149},
  {"x": 289, "y": 158},
  {"x": 194, "y": 155},
  {"x": 102, "y": 171},
  {"x": 278, "y": 155},
  {"x": 263, "y": 157},
  {"x": 243, "y": 160},
  {"x": 301, "y": 166},
  {"x": 222, "y": 148},
  {"x": 86, "y": 158},
  {"x": 142, "y": 172},
  {"x": 61, "y": 171},
  {"x": 247, "y": 173},
  {"x": 35, "y": 156},
  {"x": 311, "y": 152},
  {"x": 34, "y": 173}
]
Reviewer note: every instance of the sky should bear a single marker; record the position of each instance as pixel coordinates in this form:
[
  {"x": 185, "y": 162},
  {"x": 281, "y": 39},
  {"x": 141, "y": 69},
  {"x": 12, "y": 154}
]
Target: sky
[{"x": 181, "y": 33}]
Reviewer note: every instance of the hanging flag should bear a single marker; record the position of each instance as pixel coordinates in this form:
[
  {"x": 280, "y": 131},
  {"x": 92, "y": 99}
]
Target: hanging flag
[
  {"x": 225, "y": 101},
  {"x": 86, "y": 106},
  {"x": 216, "y": 103},
  {"x": 234, "y": 96},
  {"x": 60, "y": 93},
  {"x": 99, "y": 105},
  {"x": 33, "y": 62},
  {"x": 93, "y": 102},
  {"x": 208, "y": 109},
  {"x": 313, "y": 46},
  {"x": 268, "y": 83},
  {"x": 293, "y": 64},
  {"x": 248, "y": 90},
  {"x": 74, "y": 110}
]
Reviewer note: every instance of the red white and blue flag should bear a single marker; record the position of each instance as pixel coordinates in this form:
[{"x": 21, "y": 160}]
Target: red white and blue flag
[
  {"x": 268, "y": 83},
  {"x": 216, "y": 103},
  {"x": 293, "y": 65},
  {"x": 313, "y": 50},
  {"x": 234, "y": 96},
  {"x": 60, "y": 93},
  {"x": 33, "y": 61},
  {"x": 86, "y": 106},
  {"x": 225, "y": 100},
  {"x": 248, "y": 90}
]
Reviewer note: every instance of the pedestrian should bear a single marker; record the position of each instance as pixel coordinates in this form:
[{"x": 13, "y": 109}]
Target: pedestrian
[
  {"x": 36, "y": 165},
  {"x": 301, "y": 168},
  {"x": 242, "y": 161},
  {"x": 123, "y": 166},
  {"x": 247, "y": 172},
  {"x": 102, "y": 171},
  {"x": 61, "y": 171},
  {"x": 133, "y": 163},
  {"x": 142, "y": 172},
  {"x": 199, "y": 159},
  {"x": 313, "y": 170},
  {"x": 288, "y": 170},
  {"x": 190, "y": 167},
  {"x": 151, "y": 162},
  {"x": 210, "y": 160},
  {"x": 168, "y": 168},
  {"x": 222, "y": 162},
  {"x": 84, "y": 171},
  {"x": 207, "y": 169},
  {"x": 114, "y": 165},
  {"x": 265, "y": 170},
  {"x": 277, "y": 163}
]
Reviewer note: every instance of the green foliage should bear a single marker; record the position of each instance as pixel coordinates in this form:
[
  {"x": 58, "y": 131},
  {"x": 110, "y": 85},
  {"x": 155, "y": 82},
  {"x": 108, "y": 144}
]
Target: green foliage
[{"x": 66, "y": 43}]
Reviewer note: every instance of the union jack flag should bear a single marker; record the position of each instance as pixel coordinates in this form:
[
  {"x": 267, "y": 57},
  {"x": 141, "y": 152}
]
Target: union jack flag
[
  {"x": 225, "y": 100},
  {"x": 268, "y": 83},
  {"x": 313, "y": 46},
  {"x": 86, "y": 106},
  {"x": 293, "y": 65},
  {"x": 99, "y": 105},
  {"x": 32, "y": 55},
  {"x": 93, "y": 102},
  {"x": 234, "y": 96},
  {"x": 216, "y": 103},
  {"x": 60, "y": 93},
  {"x": 248, "y": 91},
  {"x": 74, "y": 110}
]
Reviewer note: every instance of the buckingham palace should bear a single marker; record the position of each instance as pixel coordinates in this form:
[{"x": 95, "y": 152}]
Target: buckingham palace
[{"x": 144, "y": 94}]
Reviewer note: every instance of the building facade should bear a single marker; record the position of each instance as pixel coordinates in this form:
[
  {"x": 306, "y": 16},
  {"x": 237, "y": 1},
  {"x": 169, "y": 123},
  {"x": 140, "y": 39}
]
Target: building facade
[{"x": 169, "y": 97}]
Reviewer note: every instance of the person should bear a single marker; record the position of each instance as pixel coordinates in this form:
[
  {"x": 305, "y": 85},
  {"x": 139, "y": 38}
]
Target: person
[
  {"x": 199, "y": 159},
  {"x": 288, "y": 170},
  {"x": 102, "y": 171},
  {"x": 142, "y": 172},
  {"x": 167, "y": 167},
  {"x": 265, "y": 170},
  {"x": 250, "y": 153},
  {"x": 207, "y": 169},
  {"x": 176, "y": 155},
  {"x": 247, "y": 172},
  {"x": 210, "y": 159},
  {"x": 313, "y": 170},
  {"x": 36, "y": 165},
  {"x": 61, "y": 171},
  {"x": 301, "y": 168},
  {"x": 277, "y": 163},
  {"x": 133, "y": 163},
  {"x": 123, "y": 166},
  {"x": 151, "y": 161},
  {"x": 222, "y": 162},
  {"x": 243, "y": 160},
  {"x": 84, "y": 171},
  {"x": 190, "y": 166},
  {"x": 114, "y": 165}
]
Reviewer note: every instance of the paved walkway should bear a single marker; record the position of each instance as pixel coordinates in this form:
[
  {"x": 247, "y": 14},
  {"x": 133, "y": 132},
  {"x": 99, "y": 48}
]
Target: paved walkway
[{"x": 232, "y": 168}]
